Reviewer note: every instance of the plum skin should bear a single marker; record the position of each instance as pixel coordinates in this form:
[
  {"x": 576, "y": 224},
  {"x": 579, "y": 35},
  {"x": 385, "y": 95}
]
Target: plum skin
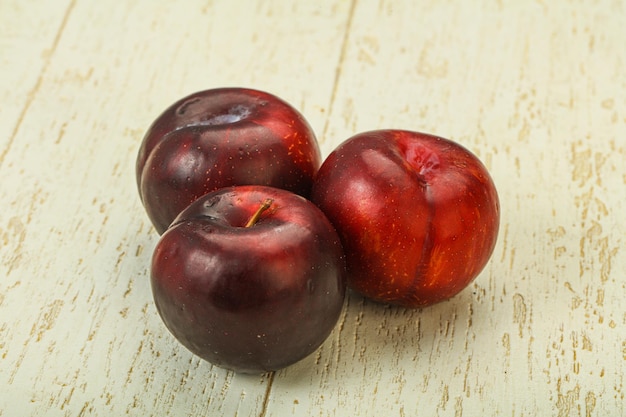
[
  {"x": 418, "y": 215},
  {"x": 250, "y": 299},
  {"x": 218, "y": 138}
]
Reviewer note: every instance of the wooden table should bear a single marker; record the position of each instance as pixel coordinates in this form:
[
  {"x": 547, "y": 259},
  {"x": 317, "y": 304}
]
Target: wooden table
[{"x": 537, "y": 89}]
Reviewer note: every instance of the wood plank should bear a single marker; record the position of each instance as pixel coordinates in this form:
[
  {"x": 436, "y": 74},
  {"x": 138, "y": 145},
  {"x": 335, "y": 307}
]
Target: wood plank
[{"x": 28, "y": 38}]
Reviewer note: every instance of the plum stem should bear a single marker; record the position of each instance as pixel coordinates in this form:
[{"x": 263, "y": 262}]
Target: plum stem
[{"x": 255, "y": 217}]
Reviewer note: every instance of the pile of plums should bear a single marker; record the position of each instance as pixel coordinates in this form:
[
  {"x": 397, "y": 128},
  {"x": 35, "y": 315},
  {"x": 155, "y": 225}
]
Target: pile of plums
[{"x": 260, "y": 238}]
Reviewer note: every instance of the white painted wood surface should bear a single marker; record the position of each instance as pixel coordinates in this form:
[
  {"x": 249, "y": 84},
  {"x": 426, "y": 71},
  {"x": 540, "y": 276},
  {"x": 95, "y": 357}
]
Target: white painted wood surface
[{"x": 537, "y": 89}]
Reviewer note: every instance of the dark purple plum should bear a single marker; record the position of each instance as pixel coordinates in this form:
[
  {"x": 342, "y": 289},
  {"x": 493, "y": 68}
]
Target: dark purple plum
[
  {"x": 219, "y": 138},
  {"x": 250, "y": 278}
]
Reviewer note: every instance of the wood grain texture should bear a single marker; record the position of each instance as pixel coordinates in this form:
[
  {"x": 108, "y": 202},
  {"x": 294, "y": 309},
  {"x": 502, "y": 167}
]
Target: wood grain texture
[{"x": 536, "y": 89}]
